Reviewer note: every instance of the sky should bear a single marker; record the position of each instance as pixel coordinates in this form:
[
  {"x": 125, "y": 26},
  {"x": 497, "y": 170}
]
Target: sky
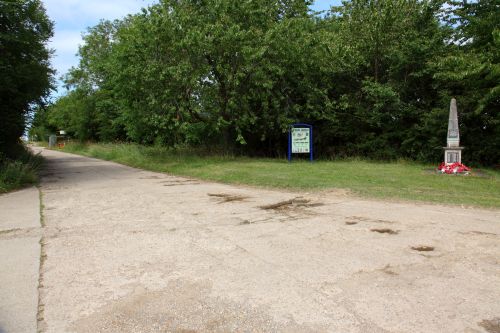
[{"x": 72, "y": 17}]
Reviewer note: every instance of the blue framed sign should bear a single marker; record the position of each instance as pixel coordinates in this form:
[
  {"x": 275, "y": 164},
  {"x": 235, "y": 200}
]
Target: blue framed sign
[{"x": 300, "y": 140}]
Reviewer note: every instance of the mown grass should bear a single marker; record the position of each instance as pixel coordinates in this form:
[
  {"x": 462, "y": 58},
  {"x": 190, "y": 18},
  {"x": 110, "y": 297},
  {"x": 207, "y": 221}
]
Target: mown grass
[
  {"x": 385, "y": 180},
  {"x": 20, "y": 172}
]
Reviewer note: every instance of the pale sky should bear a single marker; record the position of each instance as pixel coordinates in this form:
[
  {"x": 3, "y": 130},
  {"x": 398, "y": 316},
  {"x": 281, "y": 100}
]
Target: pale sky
[{"x": 72, "y": 17}]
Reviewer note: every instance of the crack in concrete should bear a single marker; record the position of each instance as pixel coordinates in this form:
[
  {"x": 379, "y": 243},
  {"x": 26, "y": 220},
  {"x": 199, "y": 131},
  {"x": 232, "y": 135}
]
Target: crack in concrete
[
  {"x": 20, "y": 233},
  {"x": 41, "y": 324}
]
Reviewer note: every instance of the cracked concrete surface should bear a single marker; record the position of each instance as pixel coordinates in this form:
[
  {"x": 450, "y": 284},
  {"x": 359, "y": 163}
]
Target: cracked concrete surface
[
  {"x": 19, "y": 260},
  {"x": 126, "y": 250}
]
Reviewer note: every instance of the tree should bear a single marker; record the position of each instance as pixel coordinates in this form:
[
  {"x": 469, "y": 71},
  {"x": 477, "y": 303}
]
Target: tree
[
  {"x": 470, "y": 72},
  {"x": 25, "y": 73},
  {"x": 90, "y": 109},
  {"x": 391, "y": 92}
]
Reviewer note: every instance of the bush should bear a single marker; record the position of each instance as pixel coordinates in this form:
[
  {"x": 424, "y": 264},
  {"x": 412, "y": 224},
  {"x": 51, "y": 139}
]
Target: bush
[{"x": 19, "y": 172}]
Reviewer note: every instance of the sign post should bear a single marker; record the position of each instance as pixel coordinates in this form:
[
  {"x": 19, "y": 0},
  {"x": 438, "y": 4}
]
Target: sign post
[{"x": 300, "y": 138}]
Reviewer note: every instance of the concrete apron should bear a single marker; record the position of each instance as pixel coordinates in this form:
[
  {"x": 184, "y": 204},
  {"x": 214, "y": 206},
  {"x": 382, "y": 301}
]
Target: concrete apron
[{"x": 127, "y": 250}]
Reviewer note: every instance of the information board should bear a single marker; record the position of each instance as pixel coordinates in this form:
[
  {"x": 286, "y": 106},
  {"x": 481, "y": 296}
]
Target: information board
[{"x": 301, "y": 140}]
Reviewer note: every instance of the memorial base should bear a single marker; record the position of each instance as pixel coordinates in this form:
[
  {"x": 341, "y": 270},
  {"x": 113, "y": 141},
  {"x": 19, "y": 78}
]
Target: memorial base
[{"x": 452, "y": 155}]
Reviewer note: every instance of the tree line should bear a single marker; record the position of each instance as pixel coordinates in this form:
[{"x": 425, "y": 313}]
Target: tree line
[{"x": 374, "y": 78}]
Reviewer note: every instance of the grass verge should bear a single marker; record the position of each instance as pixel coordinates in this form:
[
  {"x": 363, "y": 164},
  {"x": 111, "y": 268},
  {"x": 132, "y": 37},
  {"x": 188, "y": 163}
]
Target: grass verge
[
  {"x": 384, "y": 180},
  {"x": 20, "y": 172}
]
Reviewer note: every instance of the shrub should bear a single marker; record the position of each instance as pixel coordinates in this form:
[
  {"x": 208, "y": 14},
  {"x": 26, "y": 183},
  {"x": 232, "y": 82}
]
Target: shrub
[{"x": 19, "y": 172}]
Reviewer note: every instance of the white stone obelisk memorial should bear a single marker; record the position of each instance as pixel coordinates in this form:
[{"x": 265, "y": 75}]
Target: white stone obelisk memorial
[{"x": 453, "y": 151}]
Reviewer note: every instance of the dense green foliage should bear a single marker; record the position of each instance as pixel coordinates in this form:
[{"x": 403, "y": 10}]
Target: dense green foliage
[
  {"x": 19, "y": 172},
  {"x": 394, "y": 180},
  {"x": 25, "y": 73},
  {"x": 374, "y": 77},
  {"x": 470, "y": 70}
]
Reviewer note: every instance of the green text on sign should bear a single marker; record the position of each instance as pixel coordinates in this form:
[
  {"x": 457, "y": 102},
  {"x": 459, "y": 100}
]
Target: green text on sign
[{"x": 301, "y": 140}]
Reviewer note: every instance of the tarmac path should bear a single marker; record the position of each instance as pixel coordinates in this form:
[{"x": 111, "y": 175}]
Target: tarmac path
[{"x": 127, "y": 250}]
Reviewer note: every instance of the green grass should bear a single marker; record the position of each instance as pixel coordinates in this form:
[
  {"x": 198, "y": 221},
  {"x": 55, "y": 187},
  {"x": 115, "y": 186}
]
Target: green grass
[
  {"x": 18, "y": 173},
  {"x": 384, "y": 180}
]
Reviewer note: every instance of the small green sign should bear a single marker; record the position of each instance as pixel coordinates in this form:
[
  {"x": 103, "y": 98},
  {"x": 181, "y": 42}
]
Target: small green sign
[{"x": 301, "y": 140}]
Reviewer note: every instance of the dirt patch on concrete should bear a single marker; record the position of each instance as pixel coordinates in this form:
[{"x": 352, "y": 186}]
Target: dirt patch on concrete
[
  {"x": 366, "y": 219},
  {"x": 179, "y": 182},
  {"x": 385, "y": 231},
  {"x": 389, "y": 270},
  {"x": 225, "y": 197},
  {"x": 298, "y": 202},
  {"x": 482, "y": 233},
  {"x": 423, "y": 248},
  {"x": 184, "y": 306},
  {"x": 491, "y": 326}
]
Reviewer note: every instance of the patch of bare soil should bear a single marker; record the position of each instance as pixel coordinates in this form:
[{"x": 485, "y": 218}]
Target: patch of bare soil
[
  {"x": 366, "y": 219},
  {"x": 179, "y": 182},
  {"x": 385, "y": 231},
  {"x": 382, "y": 221},
  {"x": 387, "y": 270},
  {"x": 183, "y": 307},
  {"x": 225, "y": 197},
  {"x": 357, "y": 218},
  {"x": 423, "y": 248},
  {"x": 491, "y": 326},
  {"x": 478, "y": 233},
  {"x": 292, "y": 203},
  {"x": 260, "y": 221}
]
